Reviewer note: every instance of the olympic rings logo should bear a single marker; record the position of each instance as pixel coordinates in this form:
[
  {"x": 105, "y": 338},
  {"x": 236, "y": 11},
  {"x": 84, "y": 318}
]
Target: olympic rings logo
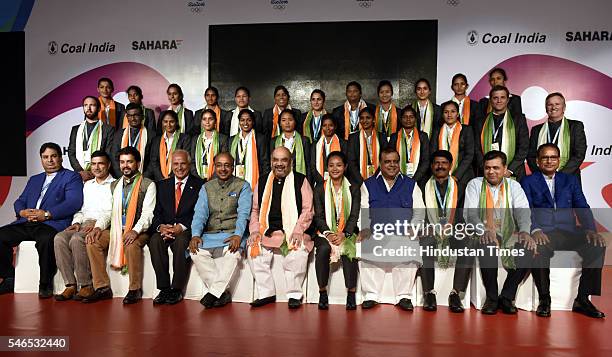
[
  {"x": 279, "y": 7},
  {"x": 365, "y": 4}
]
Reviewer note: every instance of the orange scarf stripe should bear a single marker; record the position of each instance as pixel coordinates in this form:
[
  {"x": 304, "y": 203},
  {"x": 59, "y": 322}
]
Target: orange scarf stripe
[
  {"x": 491, "y": 205},
  {"x": 255, "y": 163},
  {"x": 416, "y": 144},
  {"x": 112, "y": 113},
  {"x": 454, "y": 146},
  {"x": 364, "y": 160},
  {"x": 334, "y": 146},
  {"x": 392, "y": 113},
  {"x": 130, "y": 215},
  {"x": 264, "y": 207},
  {"x": 275, "y": 112},
  {"x": 465, "y": 115}
]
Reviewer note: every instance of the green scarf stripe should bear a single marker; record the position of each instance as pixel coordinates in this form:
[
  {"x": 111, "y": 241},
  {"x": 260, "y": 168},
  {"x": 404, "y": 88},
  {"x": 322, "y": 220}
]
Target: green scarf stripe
[
  {"x": 508, "y": 136},
  {"x": 200, "y": 151},
  {"x": 565, "y": 147},
  {"x": 306, "y": 130},
  {"x": 348, "y": 246},
  {"x": 401, "y": 135},
  {"x": 298, "y": 148},
  {"x": 95, "y": 138}
]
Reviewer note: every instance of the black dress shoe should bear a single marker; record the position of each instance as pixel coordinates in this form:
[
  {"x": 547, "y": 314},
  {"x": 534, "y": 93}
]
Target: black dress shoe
[
  {"x": 45, "y": 291},
  {"x": 429, "y": 302},
  {"x": 507, "y": 306},
  {"x": 294, "y": 303},
  {"x": 585, "y": 306},
  {"x": 99, "y": 294},
  {"x": 368, "y": 304},
  {"x": 7, "y": 286},
  {"x": 223, "y": 300},
  {"x": 489, "y": 307},
  {"x": 405, "y": 304},
  {"x": 174, "y": 297},
  {"x": 543, "y": 309},
  {"x": 264, "y": 301},
  {"x": 161, "y": 298},
  {"x": 351, "y": 303},
  {"x": 454, "y": 303},
  {"x": 132, "y": 297},
  {"x": 323, "y": 300},
  {"x": 208, "y": 300}
]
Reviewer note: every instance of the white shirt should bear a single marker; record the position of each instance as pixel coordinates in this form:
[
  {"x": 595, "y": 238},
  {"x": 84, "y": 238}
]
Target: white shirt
[
  {"x": 550, "y": 182},
  {"x": 354, "y": 114},
  {"x": 45, "y": 186},
  {"x": 97, "y": 203},
  {"x": 288, "y": 143},
  {"x": 460, "y": 102},
  {"x": 183, "y": 185}
]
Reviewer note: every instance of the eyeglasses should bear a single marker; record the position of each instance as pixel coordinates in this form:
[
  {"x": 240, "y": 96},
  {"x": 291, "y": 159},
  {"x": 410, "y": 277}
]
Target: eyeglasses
[{"x": 549, "y": 158}]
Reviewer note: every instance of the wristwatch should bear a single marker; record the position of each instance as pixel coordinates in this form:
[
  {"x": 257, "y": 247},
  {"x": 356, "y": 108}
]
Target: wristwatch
[{"x": 47, "y": 215}]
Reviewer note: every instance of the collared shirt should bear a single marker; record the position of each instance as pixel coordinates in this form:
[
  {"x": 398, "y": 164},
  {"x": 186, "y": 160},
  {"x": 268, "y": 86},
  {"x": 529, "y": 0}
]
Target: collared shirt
[
  {"x": 288, "y": 143},
  {"x": 97, "y": 203},
  {"x": 385, "y": 113},
  {"x": 460, "y": 102},
  {"x": 550, "y": 182},
  {"x": 168, "y": 139},
  {"x": 183, "y": 185},
  {"x": 48, "y": 179},
  {"x": 354, "y": 114}
]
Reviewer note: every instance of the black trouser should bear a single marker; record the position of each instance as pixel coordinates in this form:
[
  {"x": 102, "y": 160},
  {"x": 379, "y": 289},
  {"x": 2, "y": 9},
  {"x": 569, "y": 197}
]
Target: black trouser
[
  {"x": 12, "y": 235},
  {"x": 427, "y": 271},
  {"x": 180, "y": 263},
  {"x": 592, "y": 262},
  {"x": 428, "y": 275},
  {"x": 322, "y": 254}
]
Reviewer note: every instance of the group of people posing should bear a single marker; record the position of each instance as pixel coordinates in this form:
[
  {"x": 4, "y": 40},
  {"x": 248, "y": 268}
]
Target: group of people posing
[{"x": 217, "y": 186}]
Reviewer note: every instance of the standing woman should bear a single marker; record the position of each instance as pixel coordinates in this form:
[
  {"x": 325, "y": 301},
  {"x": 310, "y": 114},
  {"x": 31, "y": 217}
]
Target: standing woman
[
  {"x": 387, "y": 113},
  {"x": 211, "y": 97},
  {"x": 271, "y": 116},
  {"x": 185, "y": 116},
  {"x": 468, "y": 108},
  {"x": 292, "y": 140},
  {"x": 230, "y": 123},
  {"x": 428, "y": 113},
  {"x": 164, "y": 145},
  {"x": 337, "y": 204},
  {"x": 250, "y": 151},
  {"x": 311, "y": 121},
  {"x": 206, "y": 145},
  {"x": 134, "y": 94},
  {"x": 328, "y": 143},
  {"x": 364, "y": 148},
  {"x": 347, "y": 114},
  {"x": 412, "y": 145}
]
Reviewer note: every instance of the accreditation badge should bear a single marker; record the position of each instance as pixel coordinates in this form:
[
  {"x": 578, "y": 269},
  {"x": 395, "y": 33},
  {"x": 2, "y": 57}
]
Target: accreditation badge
[
  {"x": 495, "y": 146},
  {"x": 205, "y": 171},
  {"x": 240, "y": 171},
  {"x": 325, "y": 175},
  {"x": 371, "y": 170},
  {"x": 410, "y": 169}
]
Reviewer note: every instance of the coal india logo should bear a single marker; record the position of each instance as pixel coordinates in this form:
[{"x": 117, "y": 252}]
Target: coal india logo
[
  {"x": 472, "y": 38},
  {"x": 52, "y": 47}
]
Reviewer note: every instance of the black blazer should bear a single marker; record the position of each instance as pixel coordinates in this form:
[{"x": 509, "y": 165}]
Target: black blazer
[
  {"x": 338, "y": 115},
  {"x": 464, "y": 172},
  {"x": 154, "y": 170},
  {"x": 315, "y": 177},
  {"x": 197, "y": 122},
  {"x": 164, "y": 207},
  {"x": 119, "y": 114},
  {"x": 474, "y": 114},
  {"x": 263, "y": 153},
  {"x": 108, "y": 133},
  {"x": 117, "y": 146},
  {"x": 226, "y": 122},
  {"x": 352, "y": 149},
  {"x": 437, "y": 117},
  {"x": 189, "y": 123},
  {"x": 305, "y": 145},
  {"x": 223, "y": 147},
  {"x": 578, "y": 148},
  {"x": 420, "y": 175},
  {"x": 319, "y": 204},
  {"x": 268, "y": 118}
]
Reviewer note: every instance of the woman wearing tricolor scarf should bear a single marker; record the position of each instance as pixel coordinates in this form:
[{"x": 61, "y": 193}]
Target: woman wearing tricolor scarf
[
  {"x": 134, "y": 94},
  {"x": 311, "y": 120},
  {"x": 347, "y": 115},
  {"x": 271, "y": 116},
  {"x": 458, "y": 139},
  {"x": 177, "y": 104},
  {"x": 412, "y": 145},
  {"x": 468, "y": 108},
  {"x": 364, "y": 148},
  {"x": 337, "y": 205},
  {"x": 428, "y": 113},
  {"x": 387, "y": 113},
  {"x": 250, "y": 151},
  {"x": 164, "y": 145},
  {"x": 294, "y": 141},
  {"x": 206, "y": 145},
  {"x": 230, "y": 123},
  {"x": 327, "y": 144},
  {"x": 211, "y": 98},
  {"x": 110, "y": 111}
]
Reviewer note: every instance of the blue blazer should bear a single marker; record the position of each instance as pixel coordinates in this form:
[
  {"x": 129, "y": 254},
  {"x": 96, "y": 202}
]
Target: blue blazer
[
  {"x": 63, "y": 198},
  {"x": 570, "y": 203}
]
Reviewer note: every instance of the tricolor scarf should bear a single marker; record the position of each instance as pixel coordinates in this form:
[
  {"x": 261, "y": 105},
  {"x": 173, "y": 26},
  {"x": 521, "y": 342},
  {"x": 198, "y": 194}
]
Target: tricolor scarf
[
  {"x": 401, "y": 146},
  {"x": 563, "y": 142},
  {"x": 321, "y": 154},
  {"x": 112, "y": 113},
  {"x": 289, "y": 212},
  {"x": 298, "y": 149},
  {"x": 249, "y": 159},
  {"x": 180, "y": 112},
  {"x": 125, "y": 119},
  {"x": 93, "y": 143},
  {"x": 336, "y": 220},
  {"x": 165, "y": 156},
  {"x": 368, "y": 158},
  {"x": 306, "y": 128},
  {"x": 276, "y": 129},
  {"x": 451, "y": 143},
  {"x": 508, "y": 135},
  {"x": 206, "y": 172},
  {"x": 217, "y": 111},
  {"x": 465, "y": 113},
  {"x": 140, "y": 145},
  {"x": 433, "y": 206},
  {"x": 388, "y": 126},
  {"x": 235, "y": 122},
  {"x": 487, "y": 214},
  {"x": 347, "y": 116},
  {"x": 116, "y": 254},
  {"x": 427, "y": 121}
]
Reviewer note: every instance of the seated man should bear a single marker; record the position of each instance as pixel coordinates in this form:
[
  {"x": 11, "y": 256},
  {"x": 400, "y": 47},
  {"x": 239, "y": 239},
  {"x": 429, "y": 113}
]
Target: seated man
[
  {"x": 176, "y": 198},
  {"x": 45, "y": 207},
  {"x": 282, "y": 213},
  {"x": 218, "y": 228},
  {"x": 557, "y": 199},
  {"x": 70, "y": 248},
  {"x": 133, "y": 202}
]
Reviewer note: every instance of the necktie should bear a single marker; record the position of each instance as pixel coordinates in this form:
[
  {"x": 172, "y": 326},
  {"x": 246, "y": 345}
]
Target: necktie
[{"x": 177, "y": 196}]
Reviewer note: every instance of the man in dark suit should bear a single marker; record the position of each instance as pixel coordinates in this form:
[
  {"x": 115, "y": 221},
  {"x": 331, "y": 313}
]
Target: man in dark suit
[
  {"x": 498, "y": 77},
  {"x": 505, "y": 130},
  {"x": 347, "y": 114},
  {"x": 230, "y": 121},
  {"x": 111, "y": 112},
  {"x": 45, "y": 207},
  {"x": 556, "y": 199},
  {"x": 89, "y": 136},
  {"x": 136, "y": 135},
  {"x": 211, "y": 97},
  {"x": 171, "y": 227},
  {"x": 567, "y": 134}
]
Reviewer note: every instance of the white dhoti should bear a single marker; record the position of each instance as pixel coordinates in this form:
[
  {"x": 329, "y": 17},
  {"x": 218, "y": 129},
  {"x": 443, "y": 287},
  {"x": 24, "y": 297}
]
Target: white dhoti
[
  {"x": 216, "y": 267},
  {"x": 372, "y": 275},
  {"x": 294, "y": 268}
]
